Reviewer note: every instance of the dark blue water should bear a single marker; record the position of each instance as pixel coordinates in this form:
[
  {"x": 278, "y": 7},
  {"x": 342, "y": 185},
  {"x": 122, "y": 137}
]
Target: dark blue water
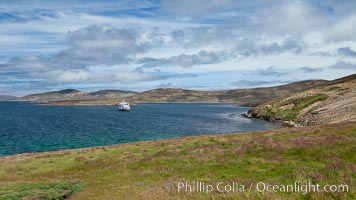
[{"x": 28, "y": 127}]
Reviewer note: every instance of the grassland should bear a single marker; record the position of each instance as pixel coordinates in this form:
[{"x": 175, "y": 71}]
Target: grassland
[
  {"x": 319, "y": 154},
  {"x": 332, "y": 102},
  {"x": 289, "y": 108},
  {"x": 40, "y": 190},
  {"x": 243, "y": 97}
]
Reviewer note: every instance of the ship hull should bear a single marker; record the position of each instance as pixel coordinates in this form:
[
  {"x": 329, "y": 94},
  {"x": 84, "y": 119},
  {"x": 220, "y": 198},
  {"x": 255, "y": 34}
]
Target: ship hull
[{"x": 124, "y": 108}]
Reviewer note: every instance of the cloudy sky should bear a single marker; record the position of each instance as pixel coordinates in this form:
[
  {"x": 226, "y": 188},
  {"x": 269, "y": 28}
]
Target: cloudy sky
[{"x": 194, "y": 44}]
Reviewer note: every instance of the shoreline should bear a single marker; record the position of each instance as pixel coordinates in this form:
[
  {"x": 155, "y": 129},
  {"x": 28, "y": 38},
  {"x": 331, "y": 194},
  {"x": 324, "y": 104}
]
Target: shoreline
[
  {"x": 284, "y": 123},
  {"x": 234, "y": 107},
  {"x": 134, "y": 103},
  {"x": 63, "y": 103},
  {"x": 139, "y": 142},
  {"x": 61, "y": 151},
  {"x": 64, "y": 151},
  {"x": 116, "y": 170},
  {"x": 108, "y": 102}
]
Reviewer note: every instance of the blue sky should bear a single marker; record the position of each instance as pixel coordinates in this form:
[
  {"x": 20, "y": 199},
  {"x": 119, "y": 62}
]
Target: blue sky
[{"x": 192, "y": 44}]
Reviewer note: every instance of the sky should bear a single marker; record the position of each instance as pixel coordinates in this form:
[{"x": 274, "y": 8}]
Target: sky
[{"x": 193, "y": 44}]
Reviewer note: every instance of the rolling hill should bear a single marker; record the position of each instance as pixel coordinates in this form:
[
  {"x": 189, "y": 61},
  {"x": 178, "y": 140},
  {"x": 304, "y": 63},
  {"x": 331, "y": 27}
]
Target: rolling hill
[
  {"x": 76, "y": 95},
  {"x": 330, "y": 102},
  {"x": 243, "y": 97},
  {"x": 6, "y": 97}
]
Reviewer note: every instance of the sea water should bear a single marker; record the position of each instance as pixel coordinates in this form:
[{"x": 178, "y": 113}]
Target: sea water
[{"x": 30, "y": 127}]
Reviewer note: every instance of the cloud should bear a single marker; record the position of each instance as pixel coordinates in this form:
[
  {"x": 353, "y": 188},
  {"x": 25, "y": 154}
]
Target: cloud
[
  {"x": 164, "y": 85},
  {"x": 20, "y": 88},
  {"x": 89, "y": 43},
  {"x": 252, "y": 83},
  {"x": 61, "y": 76},
  {"x": 178, "y": 36},
  {"x": 233, "y": 39},
  {"x": 8, "y": 17},
  {"x": 203, "y": 36},
  {"x": 343, "y": 66},
  {"x": 197, "y": 7},
  {"x": 248, "y": 47},
  {"x": 343, "y": 30},
  {"x": 296, "y": 18},
  {"x": 73, "y": 5},
  {"x": 93, "y": 45},
  {"x": 311, "y": 69},
  {"x": 271, "y": 71},
  {"x": 184, "y": 60},
  {"x": 290, "y": 17},
  {"x": 25, "y": 63},
  {"x": 96, "y": 45},
  {"x": 86, "y": 76},
  {"x": 346, "y": 51},
  {"x": 88, "y": 47}
]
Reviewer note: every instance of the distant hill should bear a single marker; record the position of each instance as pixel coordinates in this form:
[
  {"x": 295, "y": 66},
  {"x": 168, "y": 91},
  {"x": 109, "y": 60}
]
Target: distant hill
[
  {"x": 244, "y": 97},
  {"x": 6, "y": 97},
  {"x": 330, "y": 102},
  {"x": 76, "y": 95}
]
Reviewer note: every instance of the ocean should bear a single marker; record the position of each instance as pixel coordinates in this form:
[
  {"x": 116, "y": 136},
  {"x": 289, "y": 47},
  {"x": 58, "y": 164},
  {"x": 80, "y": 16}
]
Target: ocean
[{"x": 30, "y": 127}]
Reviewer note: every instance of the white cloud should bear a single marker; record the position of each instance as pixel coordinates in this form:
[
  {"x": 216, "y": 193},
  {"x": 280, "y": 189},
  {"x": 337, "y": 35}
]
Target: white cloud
[
  {"x": 197, "y": 7},
  {"x": 103, "y": 42},
  {"x": 346, "y": 51},
  {"x": 286, "y": 18},
  {"x": 61, "y": 76},
  {"x": 343, "y": 66},
  {"x": 75, "y": 5},
  {"x": 344, "y": 29},
  {"x": 93, "y": 45}
]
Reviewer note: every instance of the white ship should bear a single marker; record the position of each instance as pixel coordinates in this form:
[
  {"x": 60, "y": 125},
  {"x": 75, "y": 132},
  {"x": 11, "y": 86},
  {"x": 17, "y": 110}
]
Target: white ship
[{"x": 124, "y": 106}]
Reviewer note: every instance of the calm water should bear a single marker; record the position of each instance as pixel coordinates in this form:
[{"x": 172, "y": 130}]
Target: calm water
[{"x": 28, "y": 127}]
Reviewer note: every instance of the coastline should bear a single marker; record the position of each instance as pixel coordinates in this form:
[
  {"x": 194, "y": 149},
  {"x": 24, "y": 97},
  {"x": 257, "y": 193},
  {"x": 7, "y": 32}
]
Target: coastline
[
  {"x": 69, "y": 103},
  {"x": 143, "y": 142},
  {"x": 283, "y": 122},
  {"x": 142, "y": 167},
  {"x": 229, "y": 113},
  {"x": 65, "y": 103}
]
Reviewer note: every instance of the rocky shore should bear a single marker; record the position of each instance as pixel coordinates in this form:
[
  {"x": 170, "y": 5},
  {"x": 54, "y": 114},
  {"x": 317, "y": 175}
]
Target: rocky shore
[
  {"x": 329, "y": 103},
  {"x": 273, "y": 120}
]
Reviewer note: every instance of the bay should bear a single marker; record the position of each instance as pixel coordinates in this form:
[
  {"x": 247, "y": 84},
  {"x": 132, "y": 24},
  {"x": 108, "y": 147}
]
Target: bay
[{"x": 30, "y": 127}]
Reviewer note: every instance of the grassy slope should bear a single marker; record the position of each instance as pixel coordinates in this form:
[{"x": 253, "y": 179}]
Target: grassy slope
[
  {"x": 244, "y": 97},
  {"x": 323, "y": 155},
  {"x": 71, "y": 96},
  {"x": 332, "y": 102},
  {"x": 287, "y": 109}
]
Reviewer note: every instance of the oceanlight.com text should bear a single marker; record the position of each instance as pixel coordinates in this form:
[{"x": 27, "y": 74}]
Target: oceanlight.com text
[{"x": 263, "y": 187}]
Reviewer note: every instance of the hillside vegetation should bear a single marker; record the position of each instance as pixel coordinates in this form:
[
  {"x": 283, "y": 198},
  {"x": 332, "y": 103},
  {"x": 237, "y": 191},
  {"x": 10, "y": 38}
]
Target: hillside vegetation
[
  {"x": 77, "y": 95},
  {"x": 331, "y": 102},
  {"x": 151, "y": 170},
  {"x": 243, "y": 97}
]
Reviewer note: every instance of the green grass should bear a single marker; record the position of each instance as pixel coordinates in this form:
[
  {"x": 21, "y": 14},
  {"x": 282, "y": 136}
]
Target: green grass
[
  {"x": 277, "y": 111},
  {"x": 322, "y": 155},
  {"x": 45, "y": 191}
]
